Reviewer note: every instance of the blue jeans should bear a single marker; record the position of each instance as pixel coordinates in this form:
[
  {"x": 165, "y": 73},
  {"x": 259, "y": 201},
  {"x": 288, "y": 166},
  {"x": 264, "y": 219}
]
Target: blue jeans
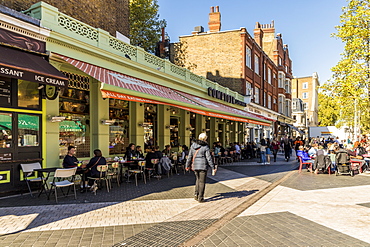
[{"x": 263, "y": 156}]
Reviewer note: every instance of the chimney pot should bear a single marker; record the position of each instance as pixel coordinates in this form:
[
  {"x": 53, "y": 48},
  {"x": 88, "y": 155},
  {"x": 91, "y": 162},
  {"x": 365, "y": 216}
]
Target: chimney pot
[
  {"x": 217, "y": 9},
  {"x": 212, "y": 9}
]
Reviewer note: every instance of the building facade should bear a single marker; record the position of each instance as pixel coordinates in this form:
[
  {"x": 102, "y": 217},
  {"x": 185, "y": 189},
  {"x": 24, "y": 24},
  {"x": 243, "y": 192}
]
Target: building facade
[
  {"x": 108, "y": 15},
  {"x": 306, "y": 89},
  {"x": 100, "y": 92},
  {"x": 237, "y": 60}
]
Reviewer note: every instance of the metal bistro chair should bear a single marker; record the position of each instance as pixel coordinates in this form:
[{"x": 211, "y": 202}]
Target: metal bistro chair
[
  {"x": 141, "y": 170},
  {"x": 103, "y": 175},
  {"x": 114, "y": 172},
  {"x": 28, "y": 171},
  {"x": 60, "y": 180},
  {"x": 151, "y": 170}
]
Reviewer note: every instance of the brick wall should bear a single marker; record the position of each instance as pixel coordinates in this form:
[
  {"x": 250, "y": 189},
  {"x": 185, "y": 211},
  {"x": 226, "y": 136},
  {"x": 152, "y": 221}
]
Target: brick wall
[
  {"x": 217, "y": 56},
  {"x": 108, "y": 15}
]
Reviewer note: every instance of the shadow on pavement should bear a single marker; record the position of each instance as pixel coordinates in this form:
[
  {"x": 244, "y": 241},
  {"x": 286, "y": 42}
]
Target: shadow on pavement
[{"x": 237, "y": 194}]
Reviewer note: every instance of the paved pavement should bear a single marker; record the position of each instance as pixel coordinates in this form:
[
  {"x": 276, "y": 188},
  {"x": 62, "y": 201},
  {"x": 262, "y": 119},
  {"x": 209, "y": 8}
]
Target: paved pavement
[{"x": 304, "y": 210}]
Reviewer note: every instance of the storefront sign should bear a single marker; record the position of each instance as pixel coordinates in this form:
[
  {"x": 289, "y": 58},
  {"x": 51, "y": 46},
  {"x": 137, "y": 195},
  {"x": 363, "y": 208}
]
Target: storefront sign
[
  {"x": 115, "y": 95},
  {"x": 225, "y": 97}
]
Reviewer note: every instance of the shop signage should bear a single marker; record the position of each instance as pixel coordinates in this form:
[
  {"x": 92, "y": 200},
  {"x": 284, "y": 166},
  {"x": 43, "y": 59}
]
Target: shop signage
[
  {"x": 116, "y": 95},
  {"x": 21, "y": 41},
  {"x": 225, "y": 97},
  {"x": 31, "y": 76}
]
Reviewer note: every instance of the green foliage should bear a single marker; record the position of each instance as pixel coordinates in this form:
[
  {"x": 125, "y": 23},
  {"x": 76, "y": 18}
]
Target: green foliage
[
  {"x": 328, "y": 110},
  {"x": 351, "y": 78},
  {"x": 145, "y": 25}
]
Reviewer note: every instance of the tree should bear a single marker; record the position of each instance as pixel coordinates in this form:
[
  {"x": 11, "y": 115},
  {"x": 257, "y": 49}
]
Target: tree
[
  {"x": 351, "y": 76},
  {"x": 328, "y": 110},
  {"x": 145, "y": 25}
]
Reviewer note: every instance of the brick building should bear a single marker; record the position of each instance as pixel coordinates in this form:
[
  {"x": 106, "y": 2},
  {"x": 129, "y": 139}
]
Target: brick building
[
  {"x": 108, "y": 15},
  {"x": 258, "y": 66},
  {"x": 306, "y": 89}
]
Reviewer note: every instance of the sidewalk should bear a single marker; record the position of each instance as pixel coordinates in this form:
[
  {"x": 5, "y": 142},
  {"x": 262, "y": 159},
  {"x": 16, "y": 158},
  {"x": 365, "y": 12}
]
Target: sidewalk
[{"x": 305, "y": 210}]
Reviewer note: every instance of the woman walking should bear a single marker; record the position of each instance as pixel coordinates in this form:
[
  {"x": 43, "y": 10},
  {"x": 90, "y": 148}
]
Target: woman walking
[{"x": 200, "y": 159}]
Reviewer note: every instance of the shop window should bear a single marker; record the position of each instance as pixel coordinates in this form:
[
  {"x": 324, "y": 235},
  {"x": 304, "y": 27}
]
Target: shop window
[
  {"x": 150, "y": 126},
  {"x": 74, "y": 104},
  {"x": 192, "y": 127},
  {"x": 19, "y": 93},
  {"x": 174, "y": 132},
  {"x": 28, "y": 94},
  {"x": 119, "y": 130},
  {"x": 6, "y": 130},
  {"x": 28, "y": 130}
]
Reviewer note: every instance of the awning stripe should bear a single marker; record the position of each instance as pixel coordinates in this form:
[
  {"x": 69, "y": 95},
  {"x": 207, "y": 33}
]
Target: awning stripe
[{"x": 127, "y": 82}]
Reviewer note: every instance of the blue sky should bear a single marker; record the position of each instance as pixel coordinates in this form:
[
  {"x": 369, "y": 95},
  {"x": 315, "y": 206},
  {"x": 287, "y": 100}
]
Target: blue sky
[{"x": 306, "y": 26}]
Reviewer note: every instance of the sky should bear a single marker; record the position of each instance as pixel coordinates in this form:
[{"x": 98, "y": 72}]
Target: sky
[{"x": 306, "y": 26}]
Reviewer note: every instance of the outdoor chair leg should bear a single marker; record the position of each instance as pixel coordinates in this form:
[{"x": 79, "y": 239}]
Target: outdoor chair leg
[{"x": 56, "y": 196}]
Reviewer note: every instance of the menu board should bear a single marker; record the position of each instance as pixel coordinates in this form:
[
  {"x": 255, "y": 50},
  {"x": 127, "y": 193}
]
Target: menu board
[{"x": 5, "y": 93}]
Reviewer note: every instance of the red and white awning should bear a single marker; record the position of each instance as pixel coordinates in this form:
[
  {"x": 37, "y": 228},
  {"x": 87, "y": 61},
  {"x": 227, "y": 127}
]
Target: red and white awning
[{"x": 178, "y": 99}]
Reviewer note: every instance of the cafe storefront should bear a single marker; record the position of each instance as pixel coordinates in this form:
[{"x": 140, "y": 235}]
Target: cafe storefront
[{"x": 26, "y": 79}]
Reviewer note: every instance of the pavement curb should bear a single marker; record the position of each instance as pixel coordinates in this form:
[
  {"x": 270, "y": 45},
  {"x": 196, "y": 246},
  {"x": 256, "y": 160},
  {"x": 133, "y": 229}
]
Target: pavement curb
[{"x": 200, "y": 236}]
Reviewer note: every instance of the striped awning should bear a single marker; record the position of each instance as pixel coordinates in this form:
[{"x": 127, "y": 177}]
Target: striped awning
[{"x": 148, "y": 89}]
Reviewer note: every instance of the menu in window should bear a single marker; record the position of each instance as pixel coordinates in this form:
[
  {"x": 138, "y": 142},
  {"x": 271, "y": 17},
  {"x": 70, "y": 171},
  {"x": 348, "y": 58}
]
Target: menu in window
[
  {"x": 6, "y": 156},
  {"x": 5, "y": 92}
]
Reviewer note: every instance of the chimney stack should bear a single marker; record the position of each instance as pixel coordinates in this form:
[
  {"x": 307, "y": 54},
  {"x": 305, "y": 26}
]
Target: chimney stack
[{"x": 214, "y": 23}]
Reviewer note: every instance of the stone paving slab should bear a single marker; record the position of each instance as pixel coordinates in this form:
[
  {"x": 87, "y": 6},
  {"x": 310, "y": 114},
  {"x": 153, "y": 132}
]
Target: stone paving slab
[
  {"x": 167, "y": 202},
  {"x": 96, "y": 236},
  {"x": 340, "y": 208},
  {"x": 278, "y": 229}
]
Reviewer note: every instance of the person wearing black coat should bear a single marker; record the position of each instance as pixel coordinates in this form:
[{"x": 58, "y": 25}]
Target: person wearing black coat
[
  {"x": 200, "y": 159},
  {"x": 94, "y": 162}
]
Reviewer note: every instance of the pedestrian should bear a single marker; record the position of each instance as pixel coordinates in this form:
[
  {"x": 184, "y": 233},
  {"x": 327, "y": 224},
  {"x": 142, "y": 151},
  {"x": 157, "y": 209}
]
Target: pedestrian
[
  {"x": 275, "y": 148},
  {"x": 287, "y": 148},
  {"x": 263, "y": 151},
  {"x": 199, "y": 160}
]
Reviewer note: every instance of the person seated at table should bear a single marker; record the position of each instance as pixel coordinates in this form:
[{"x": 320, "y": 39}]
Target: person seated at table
[
  {"x": 130, "y": 152},
  {"x": 322, "y": 160},
  {"x": 312, "y": 151},
  {"x": 304, "y": 156},
  {"x": 70, "y": 159},
  {"x": 139, "y": 153},
  {"x": 94, "y": 162},
  {"x": 167, "y": 150},
  {"x": 355, "y": 157},
  {"x": 153, "y": 154},
  {"x": 184, "y": 153}
]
